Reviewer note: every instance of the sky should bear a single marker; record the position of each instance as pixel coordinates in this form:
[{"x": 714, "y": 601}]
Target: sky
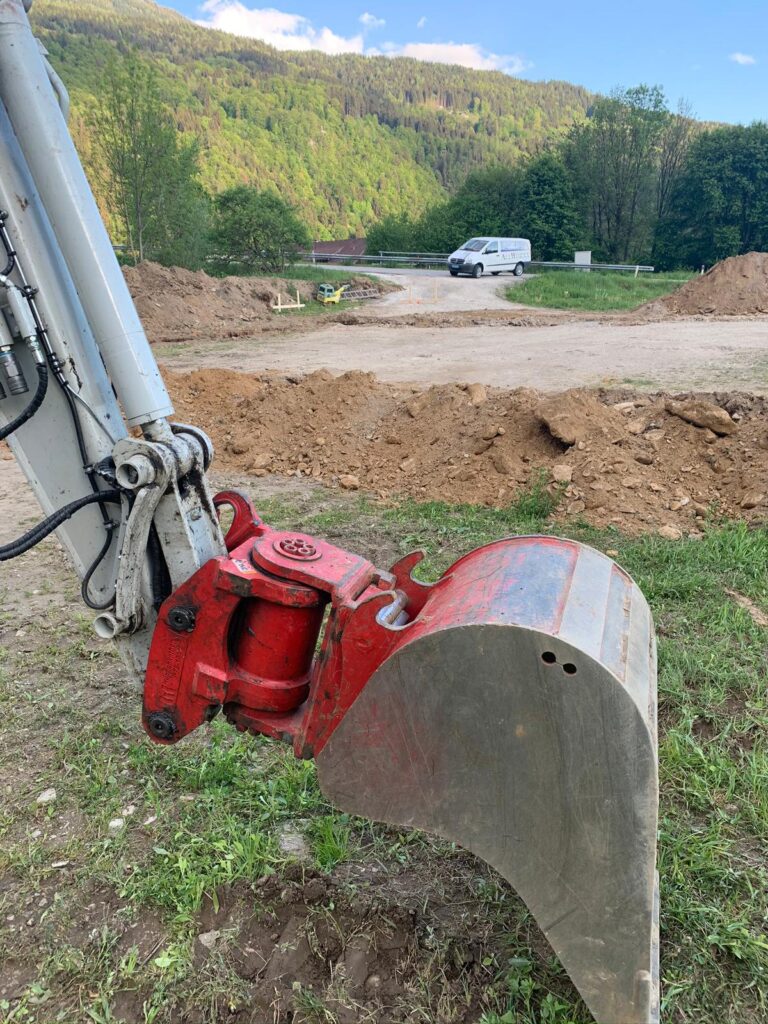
[{"x": 712, "y": 54}]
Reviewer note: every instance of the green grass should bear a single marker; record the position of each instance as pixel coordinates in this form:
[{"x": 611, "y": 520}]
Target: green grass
[
  {"x": 595, "y": 290},
  {"x": 219, "y": 799},
  {"x": 318, "y": 272}
]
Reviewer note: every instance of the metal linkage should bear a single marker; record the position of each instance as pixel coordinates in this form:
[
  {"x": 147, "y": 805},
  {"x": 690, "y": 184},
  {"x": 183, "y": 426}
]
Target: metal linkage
[
  {"x": 157, "y": 475},
  {"x": 241, "y": 635}
]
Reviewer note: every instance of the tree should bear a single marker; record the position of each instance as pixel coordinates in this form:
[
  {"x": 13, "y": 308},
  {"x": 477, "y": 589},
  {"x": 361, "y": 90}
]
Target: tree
[
  {"x": 613, "y": 160},
  {"x": 675, "y": 140},
  {"x": 485, "y": 204},
  {"x": 391, "y": 234},
  {"x": 151, "y": 175},
  {"x": 719, "y": 206},
  {"x": 548, "y": 214},
  {"x": 256, "y": 229}
]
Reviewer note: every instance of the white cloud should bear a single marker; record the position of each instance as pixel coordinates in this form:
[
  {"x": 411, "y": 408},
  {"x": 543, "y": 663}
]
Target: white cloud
[
  {"x": 742, "y": 58},
  {"x": 287, "y": 31},
  {"x": 278, "y": 28},
  {"x": 469, "y": 55},
  {"x": 422, "y": 21},
  {"x": 370, "y": 21}
]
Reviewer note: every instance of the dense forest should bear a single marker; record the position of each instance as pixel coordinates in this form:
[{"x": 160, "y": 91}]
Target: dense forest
[{"x": 346, "y": 140}]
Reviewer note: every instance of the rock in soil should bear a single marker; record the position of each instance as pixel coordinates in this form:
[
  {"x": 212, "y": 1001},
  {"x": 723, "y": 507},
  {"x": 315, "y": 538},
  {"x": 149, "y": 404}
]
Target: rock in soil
[
  {"x": 752, "y": 499},
  {"x": 703, "y": 414},
  {"x": 208, "y": 939},
  {"x": 578, "y": 415},
  {"x": 293, "y": 844},
  {"x": 670, "y": 532}
]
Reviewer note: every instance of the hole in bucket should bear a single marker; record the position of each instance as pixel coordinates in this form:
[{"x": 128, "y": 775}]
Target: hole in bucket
[
  {"x": 549, "y": 658},
  {"x": 569, "y": 668}
]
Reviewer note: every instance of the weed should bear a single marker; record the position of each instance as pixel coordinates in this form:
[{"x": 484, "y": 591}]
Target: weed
[{"x": 330, "y": 836}]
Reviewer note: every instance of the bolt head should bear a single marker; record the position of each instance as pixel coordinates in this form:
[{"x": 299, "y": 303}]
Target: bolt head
[
  {"x": 182, "y": 620},
  {"x": 161, "y": 725},
  {"x": 300, "y": 548}
]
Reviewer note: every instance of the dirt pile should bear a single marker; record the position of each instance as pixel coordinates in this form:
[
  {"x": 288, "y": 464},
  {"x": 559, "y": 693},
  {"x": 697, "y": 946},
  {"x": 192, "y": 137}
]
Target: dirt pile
[
  {"x": 184, "y": 305},
  {"x": 738, "y": 286},
  {"x": 635, "y": 461}
]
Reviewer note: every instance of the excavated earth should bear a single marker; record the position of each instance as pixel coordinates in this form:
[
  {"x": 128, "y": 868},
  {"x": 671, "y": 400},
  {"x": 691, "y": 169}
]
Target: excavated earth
[
  {"x": 613, "y": 457},
  {"x": 178, "y": 305},
  {"x": 737, "y": 286},
  {"x": 184, "y": 305}
]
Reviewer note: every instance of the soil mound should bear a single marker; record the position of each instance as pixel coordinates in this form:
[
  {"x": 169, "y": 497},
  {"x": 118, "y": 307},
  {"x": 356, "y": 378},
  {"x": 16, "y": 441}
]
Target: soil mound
[
  {"x": 737, "y": 286},
  {"x": 619, "y": 458},
  {"x": 184, "y": 305}
]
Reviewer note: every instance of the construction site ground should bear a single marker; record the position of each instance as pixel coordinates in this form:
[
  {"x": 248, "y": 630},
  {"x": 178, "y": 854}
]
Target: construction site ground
[
  {"x": 520, "y": 349},
  {"x": 210, "y": 882}
]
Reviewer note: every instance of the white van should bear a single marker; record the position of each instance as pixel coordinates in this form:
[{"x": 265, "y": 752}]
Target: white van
[{"x": 490, "y": 255}]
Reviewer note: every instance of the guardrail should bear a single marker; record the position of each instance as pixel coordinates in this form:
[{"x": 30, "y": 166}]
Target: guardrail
[
  {"x": 433, "y": 255},
  {"x": 420, "y": 261},
  {"x": 439, "y": 260},
  {"x": 636, "y": 268}
]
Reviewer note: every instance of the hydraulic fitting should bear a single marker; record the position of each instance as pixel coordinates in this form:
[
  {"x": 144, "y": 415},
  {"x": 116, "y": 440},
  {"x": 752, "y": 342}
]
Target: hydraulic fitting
[{"x": 14, "y": 375}]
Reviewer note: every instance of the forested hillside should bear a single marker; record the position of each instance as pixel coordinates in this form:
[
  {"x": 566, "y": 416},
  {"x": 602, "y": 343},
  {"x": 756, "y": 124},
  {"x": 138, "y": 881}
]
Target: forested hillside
[{"x": 346, "y": 139}]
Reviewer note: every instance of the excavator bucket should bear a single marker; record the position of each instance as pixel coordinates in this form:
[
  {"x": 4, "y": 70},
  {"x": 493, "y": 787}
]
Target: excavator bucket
[
  {"x": 509, "y": 707},
  {"x": 516, "y": 715}
]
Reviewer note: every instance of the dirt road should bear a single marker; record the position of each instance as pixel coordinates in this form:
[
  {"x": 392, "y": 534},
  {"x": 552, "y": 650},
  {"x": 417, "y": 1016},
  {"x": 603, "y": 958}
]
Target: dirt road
[
  {"x": 700, "y": 354},
  {"x": 433, "y": 291}
]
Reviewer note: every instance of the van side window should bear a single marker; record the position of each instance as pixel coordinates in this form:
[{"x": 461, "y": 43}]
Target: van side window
[{"x": 492, "y": 247}]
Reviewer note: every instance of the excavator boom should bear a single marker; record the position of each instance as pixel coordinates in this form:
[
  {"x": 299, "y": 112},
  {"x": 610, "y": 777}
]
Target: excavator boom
[{"x": 509, "y": 707}]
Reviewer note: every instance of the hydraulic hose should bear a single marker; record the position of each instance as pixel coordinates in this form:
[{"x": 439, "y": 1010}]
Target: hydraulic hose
[
  {"x": 41, "y": 531},
  {"x": 34, "y": 405}
]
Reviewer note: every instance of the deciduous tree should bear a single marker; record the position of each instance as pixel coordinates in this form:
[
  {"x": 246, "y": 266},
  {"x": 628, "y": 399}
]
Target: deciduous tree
[
  {"x": 547, "y": 211},
  {"x": 613, "y": 160},
  {"x": 719, "y": 206},
  {"x": 256, "y": 229},
  {"x": 151, "y": 181}
]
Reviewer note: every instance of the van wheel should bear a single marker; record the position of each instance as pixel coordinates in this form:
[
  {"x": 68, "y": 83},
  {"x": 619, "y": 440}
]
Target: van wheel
[
  {"x": 518, "y": 271},
  {"x": 477, "y": 270},
  {"x": 453, "y": 273}
]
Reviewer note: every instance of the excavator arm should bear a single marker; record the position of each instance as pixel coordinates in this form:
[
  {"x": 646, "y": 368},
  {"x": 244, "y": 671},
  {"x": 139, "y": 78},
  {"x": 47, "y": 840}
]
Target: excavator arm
[{"x": 510, "y": 706}]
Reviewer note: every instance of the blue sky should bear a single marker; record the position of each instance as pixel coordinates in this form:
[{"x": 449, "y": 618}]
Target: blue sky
[{"x": 714, "y": 54}]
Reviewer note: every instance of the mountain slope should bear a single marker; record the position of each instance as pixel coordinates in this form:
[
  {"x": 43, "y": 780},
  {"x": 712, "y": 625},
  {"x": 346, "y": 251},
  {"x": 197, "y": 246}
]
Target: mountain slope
[{"x": 348, "y": 139}]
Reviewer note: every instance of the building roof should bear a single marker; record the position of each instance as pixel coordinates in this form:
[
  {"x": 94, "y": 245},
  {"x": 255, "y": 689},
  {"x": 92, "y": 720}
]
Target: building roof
[{"x": 342, "y": 247}]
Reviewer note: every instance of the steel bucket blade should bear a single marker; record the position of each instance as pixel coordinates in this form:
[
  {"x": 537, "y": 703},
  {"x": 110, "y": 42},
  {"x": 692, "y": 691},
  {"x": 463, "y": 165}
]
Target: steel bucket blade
[{"x": 517, "y": 717}]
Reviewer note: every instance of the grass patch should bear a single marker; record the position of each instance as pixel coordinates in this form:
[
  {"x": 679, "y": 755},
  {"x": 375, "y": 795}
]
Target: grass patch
[
  {"x": 319, "y": 273},
  {"x": 594, "y": 290}
]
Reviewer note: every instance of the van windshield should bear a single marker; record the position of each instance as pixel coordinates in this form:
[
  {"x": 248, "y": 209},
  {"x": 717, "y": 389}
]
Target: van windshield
[{"x": 475, "y": 244}]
